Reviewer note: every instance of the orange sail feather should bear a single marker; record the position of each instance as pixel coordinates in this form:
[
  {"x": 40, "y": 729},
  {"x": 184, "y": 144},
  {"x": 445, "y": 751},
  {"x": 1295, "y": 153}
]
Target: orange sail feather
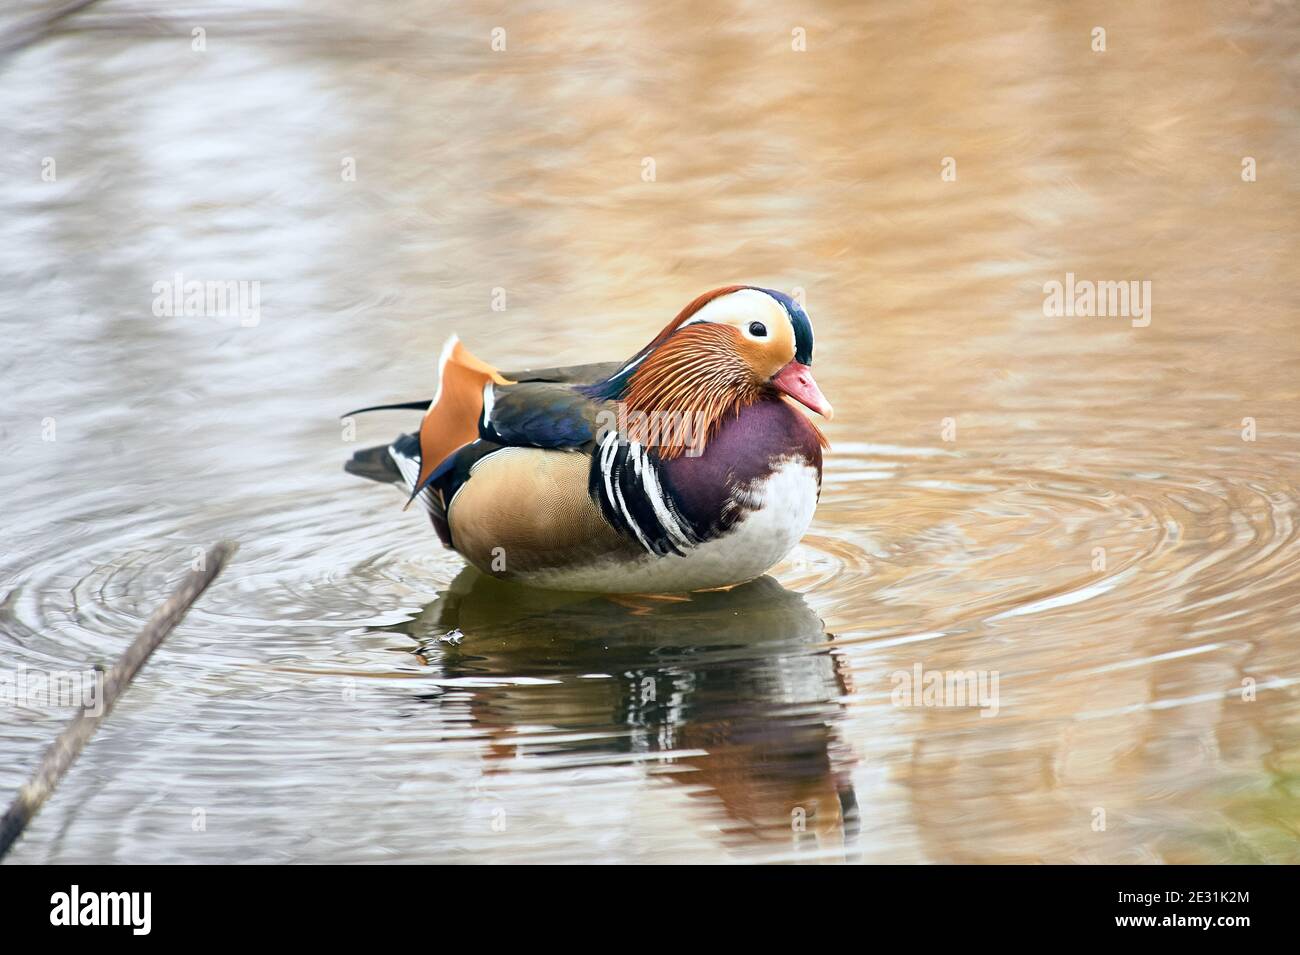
[{"x": 453, "y": 417}]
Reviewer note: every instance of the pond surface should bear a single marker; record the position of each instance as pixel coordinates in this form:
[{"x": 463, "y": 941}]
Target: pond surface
[{"x": 1098, "y": 513}]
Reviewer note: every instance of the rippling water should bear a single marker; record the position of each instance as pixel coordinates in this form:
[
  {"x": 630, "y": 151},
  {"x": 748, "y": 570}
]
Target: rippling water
[{"x": 1103, "y": 516}]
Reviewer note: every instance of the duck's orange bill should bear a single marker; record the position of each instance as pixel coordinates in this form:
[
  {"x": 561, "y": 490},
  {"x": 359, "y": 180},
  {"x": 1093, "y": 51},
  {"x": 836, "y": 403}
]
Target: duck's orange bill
[
  {"x": 453, "y": 418},
  {"x": 797, "y": 381}
]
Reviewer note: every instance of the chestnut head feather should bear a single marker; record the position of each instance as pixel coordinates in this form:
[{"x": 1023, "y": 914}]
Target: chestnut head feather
[{"x": 723, "y": 351}]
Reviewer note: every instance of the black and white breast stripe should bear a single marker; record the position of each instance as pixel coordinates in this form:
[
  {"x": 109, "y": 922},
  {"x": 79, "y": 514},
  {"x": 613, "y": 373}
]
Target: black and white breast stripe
[{"x": 628, "y": 484}]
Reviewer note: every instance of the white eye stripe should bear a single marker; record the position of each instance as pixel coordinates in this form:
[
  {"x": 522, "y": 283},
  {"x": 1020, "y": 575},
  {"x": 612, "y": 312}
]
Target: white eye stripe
[
  {"x": 739, "y": 308},
  {"x": 741, "y": 324}
]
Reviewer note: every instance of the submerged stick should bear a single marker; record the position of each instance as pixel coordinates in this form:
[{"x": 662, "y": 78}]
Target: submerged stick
[{"x": 64, "y": 751}]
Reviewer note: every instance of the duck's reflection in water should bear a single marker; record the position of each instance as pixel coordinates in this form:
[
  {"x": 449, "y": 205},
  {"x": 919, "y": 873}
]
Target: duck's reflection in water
[{"x": 740, "y": 683}]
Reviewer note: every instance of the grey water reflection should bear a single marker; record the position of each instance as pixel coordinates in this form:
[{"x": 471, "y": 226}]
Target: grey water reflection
[{"x": 734, "y": 695}]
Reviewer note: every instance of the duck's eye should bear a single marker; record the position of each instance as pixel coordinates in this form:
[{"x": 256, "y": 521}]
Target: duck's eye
[{"x": 758, "y": 329}]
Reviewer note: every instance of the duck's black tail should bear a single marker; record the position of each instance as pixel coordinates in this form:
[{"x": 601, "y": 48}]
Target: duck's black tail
[
  {"x": 396, "y": 463},
  {"x": 375, "y": 464}
]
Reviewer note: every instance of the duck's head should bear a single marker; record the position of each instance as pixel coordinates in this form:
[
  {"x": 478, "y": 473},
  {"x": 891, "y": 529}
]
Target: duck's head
[
  {"x": 762, "y": 336},
  {"x": 727, "y": 348}
]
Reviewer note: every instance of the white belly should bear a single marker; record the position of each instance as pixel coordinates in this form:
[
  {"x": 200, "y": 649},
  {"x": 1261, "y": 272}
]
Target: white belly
[{"x": 785, "y": 503}]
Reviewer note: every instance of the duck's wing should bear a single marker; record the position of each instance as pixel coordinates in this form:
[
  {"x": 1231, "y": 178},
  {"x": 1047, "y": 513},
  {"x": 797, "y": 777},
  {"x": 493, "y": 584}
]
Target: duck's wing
[
  {"x": 545, "y": 407},
  {"x": 540, "y": 415}
]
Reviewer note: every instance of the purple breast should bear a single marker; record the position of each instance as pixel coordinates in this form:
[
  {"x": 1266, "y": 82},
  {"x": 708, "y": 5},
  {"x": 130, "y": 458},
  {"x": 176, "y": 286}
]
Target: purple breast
[{"x": 746, "y": 447}]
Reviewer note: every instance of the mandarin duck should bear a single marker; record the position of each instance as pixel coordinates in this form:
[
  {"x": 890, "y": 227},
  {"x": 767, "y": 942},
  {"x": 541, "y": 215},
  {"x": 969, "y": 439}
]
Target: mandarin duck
[{"x": 684, "y": 468}]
